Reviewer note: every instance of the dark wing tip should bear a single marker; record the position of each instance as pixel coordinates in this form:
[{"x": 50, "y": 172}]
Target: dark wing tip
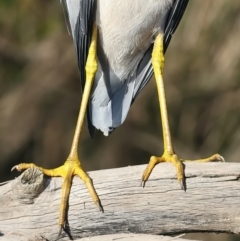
[
  {"x": 81, "y": 30},
  {"x": 174, "y": 18}
]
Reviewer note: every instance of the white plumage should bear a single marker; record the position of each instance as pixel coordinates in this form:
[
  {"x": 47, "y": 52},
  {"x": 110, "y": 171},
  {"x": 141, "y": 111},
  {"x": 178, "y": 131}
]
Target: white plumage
[{"x": 127, "y": 28}]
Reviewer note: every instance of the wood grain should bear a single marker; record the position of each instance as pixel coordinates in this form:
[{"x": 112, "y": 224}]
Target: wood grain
[{"x": 29, "y": 211}]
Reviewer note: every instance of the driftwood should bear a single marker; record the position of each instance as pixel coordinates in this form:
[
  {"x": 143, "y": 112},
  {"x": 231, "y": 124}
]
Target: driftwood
[{"x": 29, "y": 204}]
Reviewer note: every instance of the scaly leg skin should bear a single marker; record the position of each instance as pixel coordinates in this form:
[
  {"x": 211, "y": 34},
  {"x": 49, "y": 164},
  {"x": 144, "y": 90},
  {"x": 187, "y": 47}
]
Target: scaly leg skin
[
  {"x": 169, "y": 154},
  {"x": 72, "y": 166}
]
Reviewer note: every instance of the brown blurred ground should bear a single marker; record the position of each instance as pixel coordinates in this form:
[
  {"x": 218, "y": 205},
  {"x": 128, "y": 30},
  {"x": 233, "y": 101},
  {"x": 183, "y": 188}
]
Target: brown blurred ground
[{"x": 40, "y": 91}]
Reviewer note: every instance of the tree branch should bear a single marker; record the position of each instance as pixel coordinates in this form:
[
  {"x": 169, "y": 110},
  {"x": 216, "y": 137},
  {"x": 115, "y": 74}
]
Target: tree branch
[{"x": 29, "y": 204}]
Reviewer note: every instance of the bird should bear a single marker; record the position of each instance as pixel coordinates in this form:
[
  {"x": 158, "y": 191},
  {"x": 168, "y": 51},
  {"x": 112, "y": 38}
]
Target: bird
[{"x": 120, "y": 45}]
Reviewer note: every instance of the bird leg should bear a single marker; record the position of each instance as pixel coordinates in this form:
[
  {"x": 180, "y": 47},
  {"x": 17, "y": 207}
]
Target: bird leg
[
  {"x": 168, "y": 154},
  {"x": 72, "y": 165}
]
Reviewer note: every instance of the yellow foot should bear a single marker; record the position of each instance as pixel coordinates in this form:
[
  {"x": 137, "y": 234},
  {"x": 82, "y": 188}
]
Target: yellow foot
[
  {"x": 70, "y": 168},
  {"x": 178, "y": 163}
]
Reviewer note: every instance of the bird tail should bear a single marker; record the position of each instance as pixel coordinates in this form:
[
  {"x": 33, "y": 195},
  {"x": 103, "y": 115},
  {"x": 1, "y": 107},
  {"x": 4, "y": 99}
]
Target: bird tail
[{"x": 111, "y": 97}]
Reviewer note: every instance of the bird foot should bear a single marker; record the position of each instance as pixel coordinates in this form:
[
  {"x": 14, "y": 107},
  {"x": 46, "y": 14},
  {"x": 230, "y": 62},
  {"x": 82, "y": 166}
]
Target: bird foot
[
  {"x": 178, "y": 163},
  {"x": 70, "y": 168}
]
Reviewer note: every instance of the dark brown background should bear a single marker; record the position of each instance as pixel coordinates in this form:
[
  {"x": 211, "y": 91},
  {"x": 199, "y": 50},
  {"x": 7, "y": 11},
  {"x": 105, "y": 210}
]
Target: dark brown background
[{"x": 40, "y": 92}]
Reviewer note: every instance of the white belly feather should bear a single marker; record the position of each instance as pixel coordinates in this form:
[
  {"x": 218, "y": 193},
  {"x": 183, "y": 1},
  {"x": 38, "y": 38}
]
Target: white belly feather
[{"x": 127, "y": 28}]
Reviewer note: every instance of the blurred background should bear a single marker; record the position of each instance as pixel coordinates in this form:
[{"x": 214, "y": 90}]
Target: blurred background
[{"x": 40, "y": 92}]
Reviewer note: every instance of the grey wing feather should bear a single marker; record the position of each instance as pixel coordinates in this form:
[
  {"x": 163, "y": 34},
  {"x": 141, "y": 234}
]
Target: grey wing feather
[
  {"x": 173, "y": 19},
  {"x": 79, "y": 15}
]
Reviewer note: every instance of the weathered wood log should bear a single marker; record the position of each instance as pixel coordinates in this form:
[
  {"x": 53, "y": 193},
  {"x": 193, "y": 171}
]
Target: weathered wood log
[
  {"x": 133, "y": 237},
  {"x": 29, "y": 204},
  {"x": 109, "y": 237}
]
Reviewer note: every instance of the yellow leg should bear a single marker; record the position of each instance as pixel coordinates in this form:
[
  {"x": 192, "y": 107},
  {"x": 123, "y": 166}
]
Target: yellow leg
[
  {"x": 168, "y": 154},
  {"x": 72, "y": 166}
]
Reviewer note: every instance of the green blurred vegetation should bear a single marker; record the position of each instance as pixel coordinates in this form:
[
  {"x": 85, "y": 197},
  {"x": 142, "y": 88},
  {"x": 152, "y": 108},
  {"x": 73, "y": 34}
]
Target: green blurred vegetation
[{"x": 40, "y": 91}]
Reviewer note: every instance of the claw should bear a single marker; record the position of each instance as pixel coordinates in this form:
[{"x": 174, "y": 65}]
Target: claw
[
  {"x": 14, "y": 167},
  {"x": 182, "y": 184},
  {"x": 142, "y": 184},
  {"x": 221, "y": 158},
  {"x": 100, "y": 206},
  {"x": 60, "y": 231}
]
